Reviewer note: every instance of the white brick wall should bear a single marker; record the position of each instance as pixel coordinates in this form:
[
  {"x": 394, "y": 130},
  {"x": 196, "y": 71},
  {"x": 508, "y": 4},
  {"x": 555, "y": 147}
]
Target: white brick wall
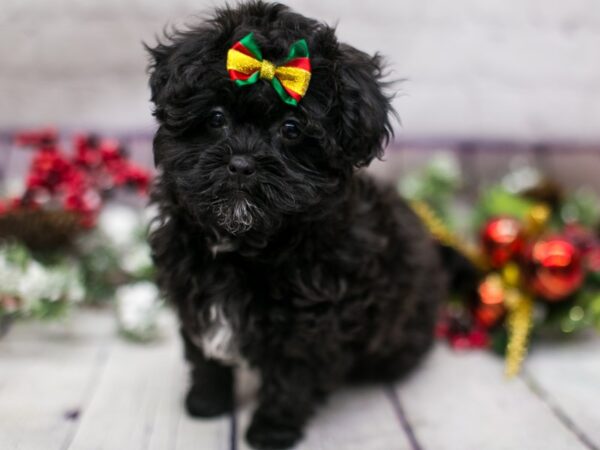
[{"x": 517, "y": 69}]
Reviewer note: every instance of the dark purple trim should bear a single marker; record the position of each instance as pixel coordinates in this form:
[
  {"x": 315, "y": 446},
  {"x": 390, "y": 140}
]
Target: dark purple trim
[
  {"x": 233, "y": 430},
  {"x": 399, "y": 144},
  {"x": 558, "y": 412},
  {"x": 392, "y": 396}
]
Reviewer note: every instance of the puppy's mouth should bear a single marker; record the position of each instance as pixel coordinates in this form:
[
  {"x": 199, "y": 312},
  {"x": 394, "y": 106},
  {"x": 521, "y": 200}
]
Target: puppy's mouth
[{"x": 236, "y": 213}]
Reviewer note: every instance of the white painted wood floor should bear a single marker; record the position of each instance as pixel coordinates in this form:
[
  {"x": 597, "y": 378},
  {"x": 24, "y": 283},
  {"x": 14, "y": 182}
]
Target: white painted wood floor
[{"x": 84, "y": 388}]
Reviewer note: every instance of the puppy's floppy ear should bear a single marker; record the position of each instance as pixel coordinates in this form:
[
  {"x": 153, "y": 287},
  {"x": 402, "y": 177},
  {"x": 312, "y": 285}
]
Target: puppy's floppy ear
[
  {"x": 364, "y": 120},
  {"x": 158, "y": 69}
]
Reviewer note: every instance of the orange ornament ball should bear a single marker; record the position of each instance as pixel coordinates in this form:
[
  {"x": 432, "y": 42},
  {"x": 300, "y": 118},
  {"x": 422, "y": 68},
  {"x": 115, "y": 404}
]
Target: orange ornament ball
[{"x": 490, "y": 308}]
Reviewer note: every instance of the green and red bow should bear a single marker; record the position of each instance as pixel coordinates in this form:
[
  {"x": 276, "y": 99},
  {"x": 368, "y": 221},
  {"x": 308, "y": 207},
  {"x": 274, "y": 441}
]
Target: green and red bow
[{"x": 290, "y": 80}]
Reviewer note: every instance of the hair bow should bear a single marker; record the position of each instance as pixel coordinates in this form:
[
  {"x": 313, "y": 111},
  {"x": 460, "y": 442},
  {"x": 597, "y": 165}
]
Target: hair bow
[{"x": 290, "y": 80}]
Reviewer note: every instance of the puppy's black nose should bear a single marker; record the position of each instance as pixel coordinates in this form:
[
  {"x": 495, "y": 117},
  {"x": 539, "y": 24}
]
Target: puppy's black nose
[{"x": 242, "y": 165}]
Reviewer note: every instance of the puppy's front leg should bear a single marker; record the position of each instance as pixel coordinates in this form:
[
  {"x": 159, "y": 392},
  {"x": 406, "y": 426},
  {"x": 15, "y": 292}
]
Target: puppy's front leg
[
  {"x": 290, "y": 390},
  {"x": 211, "y": 390}
]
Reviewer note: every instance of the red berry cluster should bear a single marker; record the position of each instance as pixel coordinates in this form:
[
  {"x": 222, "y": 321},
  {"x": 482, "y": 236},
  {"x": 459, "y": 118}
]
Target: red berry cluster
[{"x": 76, "y": 182}]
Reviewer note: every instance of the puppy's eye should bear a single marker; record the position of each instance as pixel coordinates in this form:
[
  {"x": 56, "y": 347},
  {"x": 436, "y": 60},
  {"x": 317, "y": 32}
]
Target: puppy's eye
[
  {"x": 216, "y": 119},
  {"x": 290, "y": 129}
]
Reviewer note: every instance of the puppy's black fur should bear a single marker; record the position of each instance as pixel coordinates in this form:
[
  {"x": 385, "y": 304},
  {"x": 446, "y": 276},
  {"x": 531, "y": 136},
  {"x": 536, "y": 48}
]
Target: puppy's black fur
[{"x": 265, "y": 224}]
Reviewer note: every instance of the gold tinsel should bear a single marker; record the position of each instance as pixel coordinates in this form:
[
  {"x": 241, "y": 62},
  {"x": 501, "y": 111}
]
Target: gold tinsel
[
  {"x": 519, "y": 318},
  {"x": 519, "y": 322},
  {"x": 519, "y": 304},
  {"x": 440, "y": 231}
]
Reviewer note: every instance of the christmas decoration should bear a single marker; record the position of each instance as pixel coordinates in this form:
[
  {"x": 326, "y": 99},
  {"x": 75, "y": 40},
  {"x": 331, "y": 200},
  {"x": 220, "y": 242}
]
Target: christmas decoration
[
  {"x": 492, "y": 293},
  {"x": 537, "y": 255},
  {"x": 32, "y": 289},
  {"x": 435, "y": 188},
  {"x": 554, "y": 268},
  {"x": 502, "y": 240},
  {"x": 64, "y": 192},
  {"x": 137, "y": 309},
  {"x": 63, "y": 241}
]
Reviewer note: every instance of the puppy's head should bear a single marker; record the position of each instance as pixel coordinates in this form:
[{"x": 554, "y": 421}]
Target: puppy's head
[{"x": 240, "y": 158}]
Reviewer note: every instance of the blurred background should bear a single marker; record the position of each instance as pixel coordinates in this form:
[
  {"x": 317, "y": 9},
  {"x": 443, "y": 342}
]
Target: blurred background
[
  {"x": 507, "y": 76},
  {"x": 498, "y": 69}
]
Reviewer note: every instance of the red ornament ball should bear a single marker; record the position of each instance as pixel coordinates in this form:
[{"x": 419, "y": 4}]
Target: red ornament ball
[
  {"x": 502, "y": 240},
  {"x": 554, "y": 268}
]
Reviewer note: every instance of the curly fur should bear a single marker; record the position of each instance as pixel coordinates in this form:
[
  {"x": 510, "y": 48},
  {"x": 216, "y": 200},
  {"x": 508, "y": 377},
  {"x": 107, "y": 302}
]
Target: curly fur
[{"x": 321, "y": 274}]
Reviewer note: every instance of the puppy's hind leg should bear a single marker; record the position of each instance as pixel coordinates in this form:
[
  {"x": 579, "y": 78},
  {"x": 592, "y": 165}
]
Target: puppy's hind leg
[
  {"x": 405, "y": 343},
  {"x": 392, "y": 366},
  {"x": 211, "y": 390}
]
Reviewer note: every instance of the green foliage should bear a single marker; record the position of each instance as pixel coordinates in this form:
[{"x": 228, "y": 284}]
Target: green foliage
[
  {"x": 50, "y": 310},
  {"x": 497, "y": 201},
  {"x": 582, "y": 207},
  {"x": 29, "y": 288},
  {"x": 436, "y": 184}
]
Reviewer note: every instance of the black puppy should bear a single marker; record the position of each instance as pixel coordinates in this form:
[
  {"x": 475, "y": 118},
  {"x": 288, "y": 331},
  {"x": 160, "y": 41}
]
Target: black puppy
[{"x": 274, "y": 250}]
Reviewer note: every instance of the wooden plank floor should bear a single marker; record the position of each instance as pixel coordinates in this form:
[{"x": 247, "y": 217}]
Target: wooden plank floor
[{"x": 81, "y": 387}]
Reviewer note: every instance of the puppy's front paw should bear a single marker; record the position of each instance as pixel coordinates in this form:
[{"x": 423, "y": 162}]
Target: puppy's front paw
[
  {"x": 205, "y": 402},
  {"x": 268, "y": 434}
]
